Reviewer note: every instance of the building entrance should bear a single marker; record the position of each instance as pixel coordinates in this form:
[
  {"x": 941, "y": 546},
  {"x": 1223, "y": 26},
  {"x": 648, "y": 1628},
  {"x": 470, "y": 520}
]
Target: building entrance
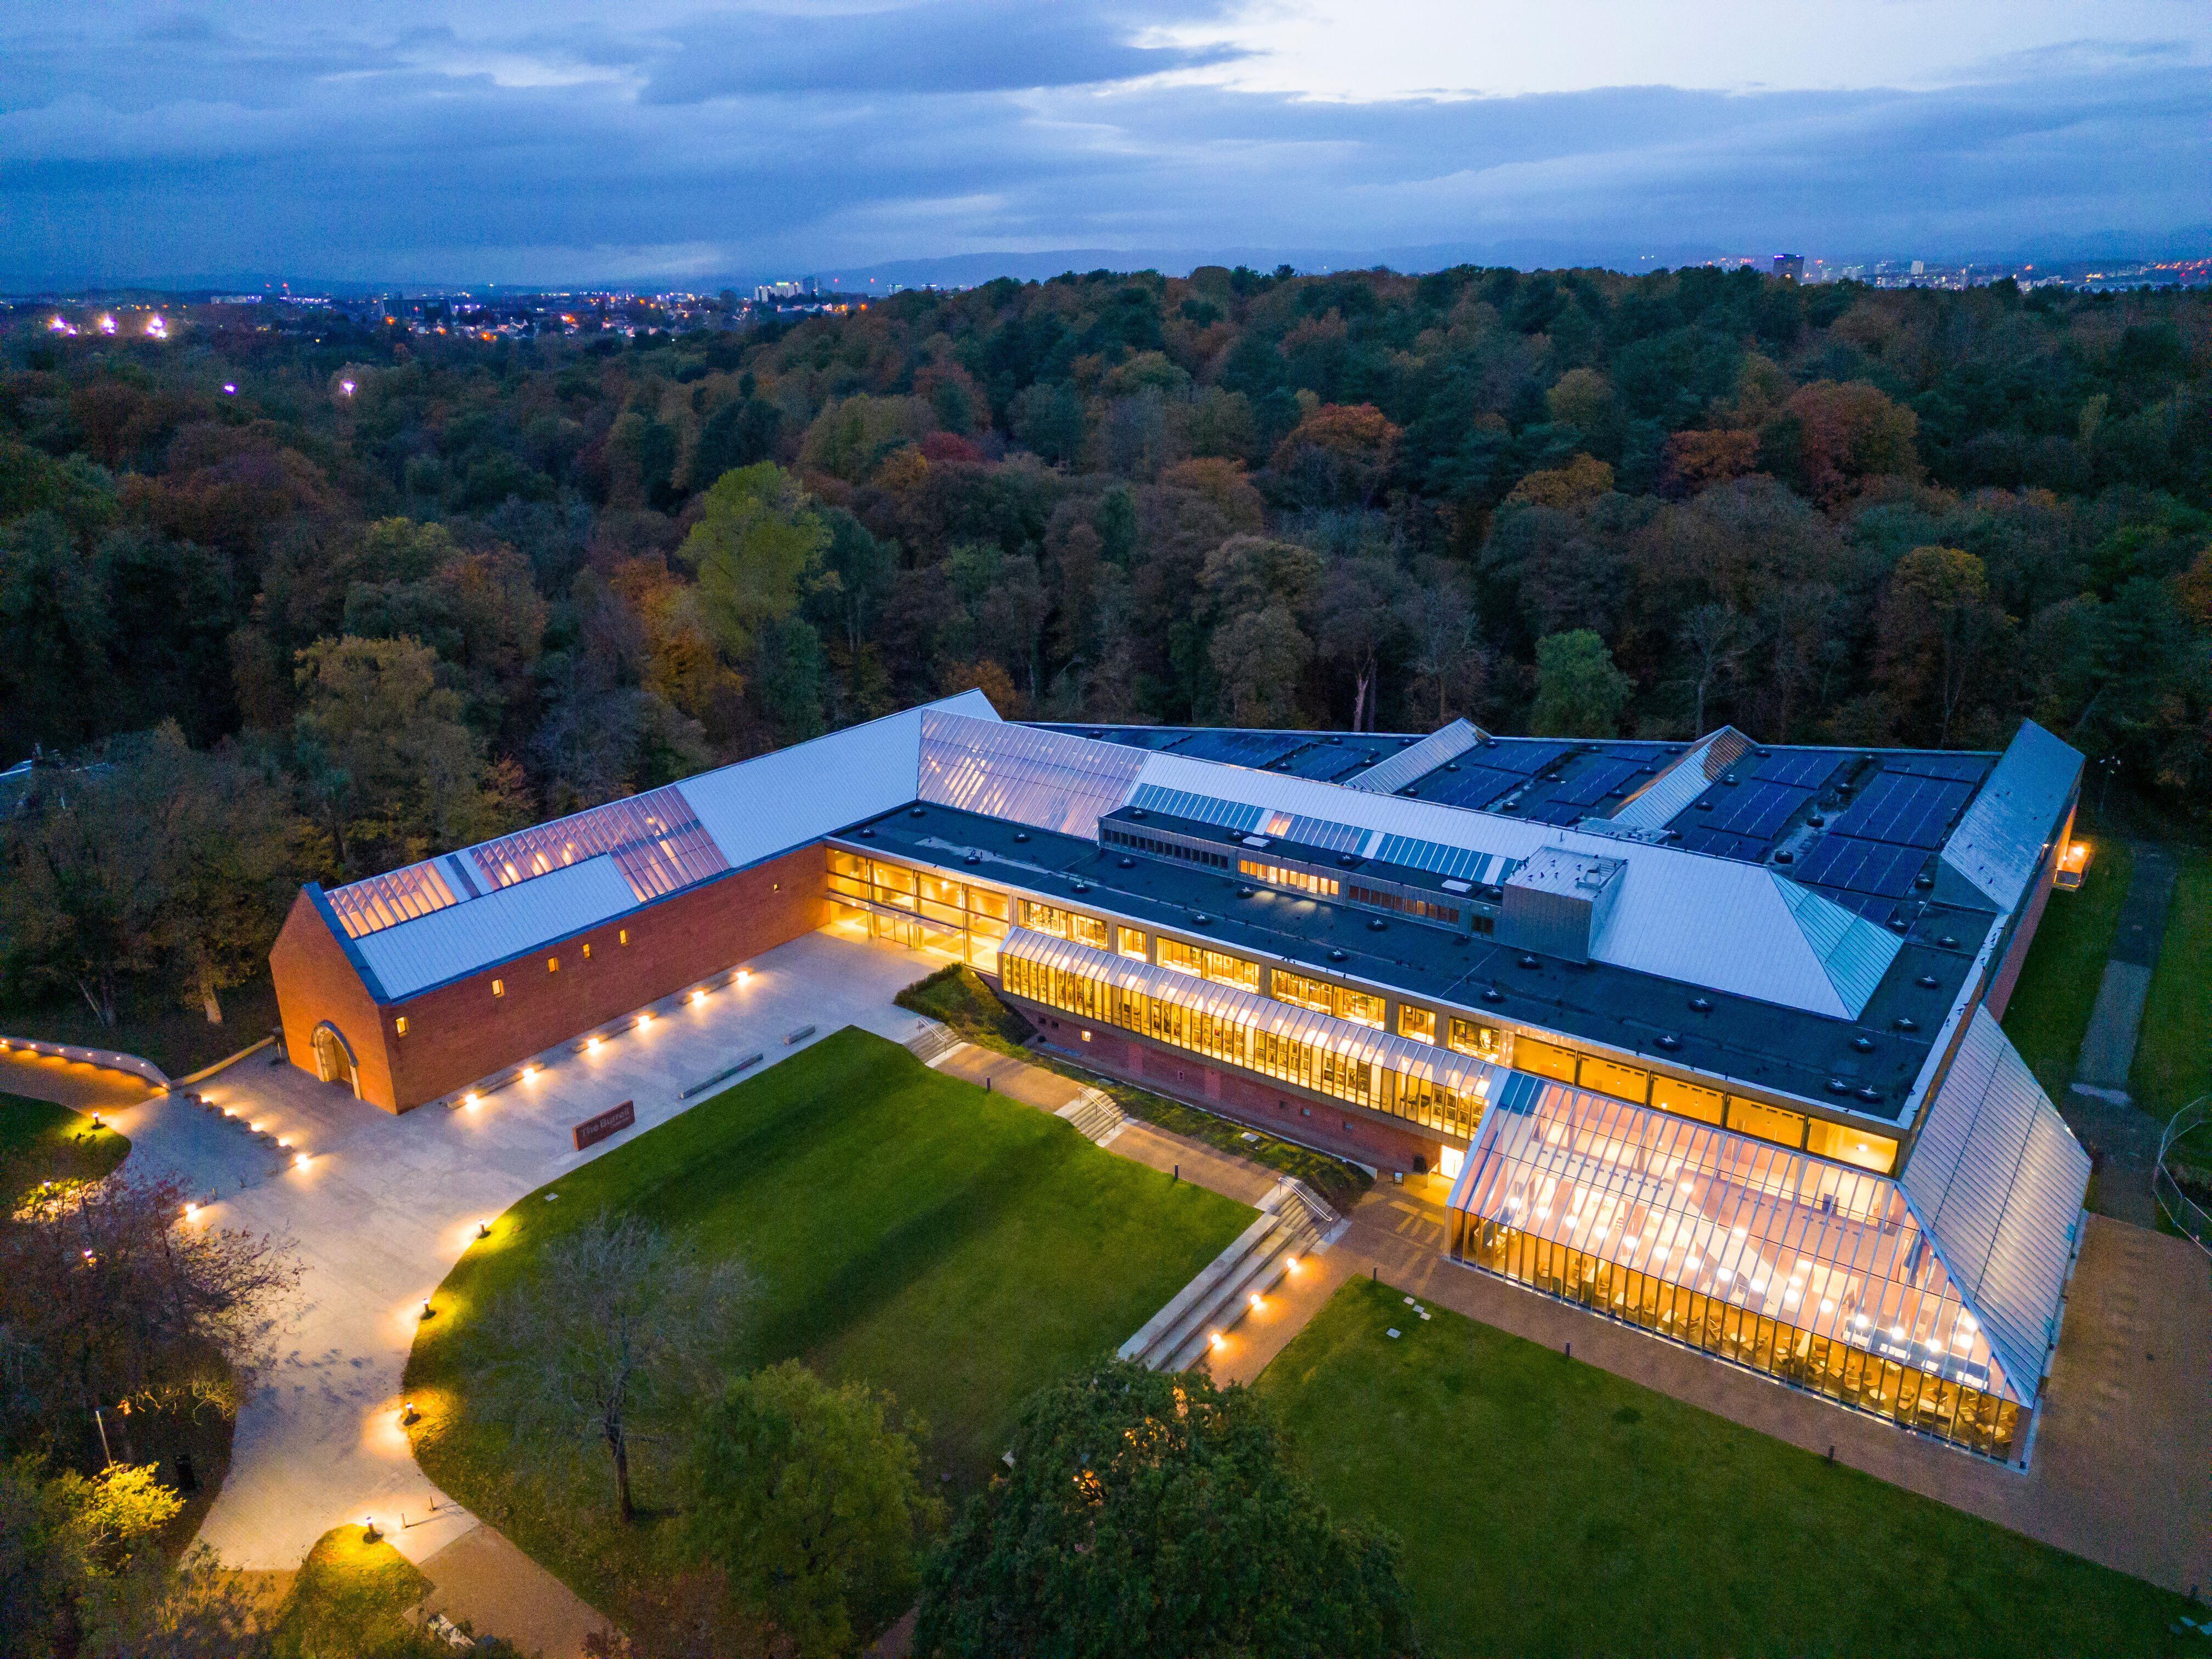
[{"x": 333, "y": 1063}]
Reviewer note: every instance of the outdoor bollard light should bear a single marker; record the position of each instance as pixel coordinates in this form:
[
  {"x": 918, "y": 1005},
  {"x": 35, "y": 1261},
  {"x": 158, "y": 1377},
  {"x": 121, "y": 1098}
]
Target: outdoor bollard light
[
  {"x": 368, "y": 1532},
  {"x": 408, "y": 1416},
  {"x": 483, "y": 1230},
  {"x": 427, "y": 1312}
]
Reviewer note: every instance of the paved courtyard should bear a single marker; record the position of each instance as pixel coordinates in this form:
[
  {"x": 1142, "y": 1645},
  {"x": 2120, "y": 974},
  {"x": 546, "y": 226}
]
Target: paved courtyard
[{"x": 385, "y": 1206}]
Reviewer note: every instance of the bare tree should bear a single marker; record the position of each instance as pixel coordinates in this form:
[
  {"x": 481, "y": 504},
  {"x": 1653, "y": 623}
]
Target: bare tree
[
  {"x": 1715, "y": 636},
  {"x": 618, "y": 1323},
  {"x": 1438, "y": 614}
]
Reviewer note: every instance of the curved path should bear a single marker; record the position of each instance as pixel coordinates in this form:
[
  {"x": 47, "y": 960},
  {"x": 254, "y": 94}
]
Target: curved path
[
  {"x": 379, "y": 1213},
  {"x": 71, "y": 1083}
]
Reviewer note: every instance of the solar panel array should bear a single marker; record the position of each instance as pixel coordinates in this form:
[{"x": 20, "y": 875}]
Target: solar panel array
[
  {"x": 1473, "y": 787},
  {"x": 1718, "y": 843},
  {"x": 1525, "y": 755},
  {"x": 1756, "y": 811},
  {"x": 1804, "y": 768},
  {"x": 1906, "y": 811},
  {"x": 1873, "y": 867},
  {"x": 1240, "y": 748},
  {"x": 1591, "y": 784},
  {"x": 1330, "y": 762},
  {"x": 1957, "y": 768}
]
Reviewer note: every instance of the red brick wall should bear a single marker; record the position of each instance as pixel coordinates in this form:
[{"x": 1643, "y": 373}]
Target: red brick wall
[
  {"x": 2000, "y": 991},
  {"x": 460, "y": 1032},
  {"x": 1348, "y": 1130},
  {"x": 316, "y": 981}
]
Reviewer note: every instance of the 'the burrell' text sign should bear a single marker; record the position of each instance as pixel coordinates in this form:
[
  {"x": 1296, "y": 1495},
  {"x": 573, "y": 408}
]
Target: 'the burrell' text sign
[{"x": 593, "y": 1130}]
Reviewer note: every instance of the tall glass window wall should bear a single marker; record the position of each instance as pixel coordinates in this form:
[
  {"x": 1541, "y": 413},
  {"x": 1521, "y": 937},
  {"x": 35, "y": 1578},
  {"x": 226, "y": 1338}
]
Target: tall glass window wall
[
  {"x": 1811, "y": 1273},
  {"x": 1234, "y": 1029},
  {"x": 952, "y": 918}
]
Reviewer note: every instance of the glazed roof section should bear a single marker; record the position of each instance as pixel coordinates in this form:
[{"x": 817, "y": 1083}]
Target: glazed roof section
[
  {"x": 460, "y": 913},
  {"x": 1756, "y": 1042},
  {"x": 1821, "y": 1246}
]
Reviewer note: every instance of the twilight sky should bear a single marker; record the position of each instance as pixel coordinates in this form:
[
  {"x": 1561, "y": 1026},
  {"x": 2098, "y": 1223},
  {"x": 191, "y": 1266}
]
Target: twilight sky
[{"x": 551, "y": 141}]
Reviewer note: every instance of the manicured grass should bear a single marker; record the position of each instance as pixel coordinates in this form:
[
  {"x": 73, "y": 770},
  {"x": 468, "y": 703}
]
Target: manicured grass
[
  {"x": 2050, "y": 1007},
  {"x": 955, "y": 1248},
  {"x": 1547, "y": 1507},
  {"x": 957, "y": 996},
  {"x": 41, "y": 1141},
  {"x": 2174, "y": 1050}
]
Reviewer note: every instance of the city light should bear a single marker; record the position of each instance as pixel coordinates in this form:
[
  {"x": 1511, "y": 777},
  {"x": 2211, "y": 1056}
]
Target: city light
[
  {"x": 157, "y": 326},
  {"x": 106, "y": 323},
  {"x": 230, "y": 388}
]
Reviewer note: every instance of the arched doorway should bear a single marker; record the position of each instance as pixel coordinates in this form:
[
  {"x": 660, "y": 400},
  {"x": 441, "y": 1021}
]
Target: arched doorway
[{"x": 334, "y": 1058}]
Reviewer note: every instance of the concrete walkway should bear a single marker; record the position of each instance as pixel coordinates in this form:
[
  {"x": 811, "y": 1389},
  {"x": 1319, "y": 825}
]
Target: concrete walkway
[
  {"x": 2123, "y": 1139},
  {"x": 71, "y": 1083},
  {"x": 379, "y": 1213}
]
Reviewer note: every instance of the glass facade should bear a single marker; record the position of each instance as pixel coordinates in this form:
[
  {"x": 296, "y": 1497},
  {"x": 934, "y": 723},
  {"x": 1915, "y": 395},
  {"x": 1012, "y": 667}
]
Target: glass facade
[
  {"x": 952, "y": 918},
  {"x": 1278, "y": 875},
  {"x": 1225, "y": 1020},
  {"x": 1811, "y": 1272},
  {"x": 966, "y": 922}
]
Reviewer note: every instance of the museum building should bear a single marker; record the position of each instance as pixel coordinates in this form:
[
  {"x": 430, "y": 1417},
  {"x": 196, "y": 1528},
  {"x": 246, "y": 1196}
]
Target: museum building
[{"x": 1705, "y": 1034}]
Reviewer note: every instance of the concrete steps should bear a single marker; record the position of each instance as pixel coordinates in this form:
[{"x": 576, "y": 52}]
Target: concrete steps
[
  {"x": 1094, "y": 1115},
  {"x": 932, "y": 1042},
  {"x": 1292, "y": 1221}
]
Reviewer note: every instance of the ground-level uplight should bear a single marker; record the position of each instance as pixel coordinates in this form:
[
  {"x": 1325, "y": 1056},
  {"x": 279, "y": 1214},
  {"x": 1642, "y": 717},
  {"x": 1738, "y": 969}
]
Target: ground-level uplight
[
  {"x": 529, "y": 1073},
  {"x": 1291, "y": 1264},
  {"x": 591, "y": 1043},
  {"x": 471, "y": 1100},
  {"x": 698, "y": 996},
  {"x": 1216, "y": 1341},
  {"x": 1257, "y": 1301},
  {"x": 299, "y": 1160},
  {"x": 744, "y": 974},
  {"x": 645, "y": 1019}
]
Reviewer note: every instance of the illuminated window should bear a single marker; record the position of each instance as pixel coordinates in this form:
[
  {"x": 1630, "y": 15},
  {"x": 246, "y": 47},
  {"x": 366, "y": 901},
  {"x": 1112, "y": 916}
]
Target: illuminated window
[
  {"x": 1686, "y": 1099},
  {"x": 984, "y": 902},
  {"x": 1301, "y": 992},
  {"x": 1180, "y": 958},
  {"x": 499, "y": 988},
  {"x": 1282, "y": 876},
  {"x": 1043, "y": 919},
  {"x": 1232, "y": 971},
  {"x": 1621, "y": 1082},
  {"x": 1544, "y": 1058},
  {"x": 400, "y": 1025},
  {"x": 1850, "y": 1145},
  {"x": 1361, "y": 1008},
  {"x": 552, "y": 965},
  {"x": 621, "y": 936},
  {"x": 891, "y": 876},
  {"x": 1769, "y": 1123},
  {"x": 1132, "y": 944},
  {"x": 1468, "y": 1038},
  {"x": 1087, "y": 930},
  {"x": 587, "y": 951},
  {"x": 1417, "y": 1024}
]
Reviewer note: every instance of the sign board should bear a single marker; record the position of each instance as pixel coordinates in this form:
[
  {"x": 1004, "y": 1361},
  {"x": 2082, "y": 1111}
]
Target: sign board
[{"x": 613, "y": 1121}]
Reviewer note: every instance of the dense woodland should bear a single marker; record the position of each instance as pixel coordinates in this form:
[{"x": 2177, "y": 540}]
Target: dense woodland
[{"x": 498, "y": 579}]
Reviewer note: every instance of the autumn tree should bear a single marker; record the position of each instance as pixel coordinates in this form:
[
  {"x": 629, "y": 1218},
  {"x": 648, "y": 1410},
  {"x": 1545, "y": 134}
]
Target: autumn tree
[
  {"x": 1259, "y": 656},
  {"x": 1935, "y": 625},
  {"x": 1339, "y": 455},
  {"x": 381, "y": 750},
  {"x": 1438, "y": 614}
]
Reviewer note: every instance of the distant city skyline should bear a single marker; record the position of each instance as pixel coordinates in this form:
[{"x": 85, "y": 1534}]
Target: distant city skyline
[{"x": 426, "y": 143}]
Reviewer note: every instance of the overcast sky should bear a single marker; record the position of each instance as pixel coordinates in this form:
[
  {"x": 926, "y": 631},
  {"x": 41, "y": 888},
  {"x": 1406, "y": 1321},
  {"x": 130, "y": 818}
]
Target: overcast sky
[{"x": 549, "y": 141}]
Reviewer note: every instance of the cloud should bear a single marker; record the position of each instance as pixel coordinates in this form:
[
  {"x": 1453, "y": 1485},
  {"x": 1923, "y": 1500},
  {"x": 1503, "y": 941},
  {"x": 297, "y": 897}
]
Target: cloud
[{"x": 553, "y": 145}]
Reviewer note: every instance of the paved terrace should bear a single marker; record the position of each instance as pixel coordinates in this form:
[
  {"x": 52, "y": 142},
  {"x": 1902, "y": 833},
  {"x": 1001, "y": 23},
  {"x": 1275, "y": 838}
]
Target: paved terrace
[{"x": 380, "y": 1212}]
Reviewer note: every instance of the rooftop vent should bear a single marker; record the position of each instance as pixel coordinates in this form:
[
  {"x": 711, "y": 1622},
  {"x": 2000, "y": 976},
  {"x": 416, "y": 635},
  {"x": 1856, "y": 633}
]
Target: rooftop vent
[
  {"x": 1339, "y": 955},
  {"x": 1863, "y": 1043},
  {"x": 1669, "y": 1041},
  {"x": 1905, "y": 1022},
  {"x": 1021, "y": 834},
  {"x": 1927, "y": 982},
  {"x": 1491, "y": 993},
  {"x": 868, "y": 834},
  {"x": 1376, "y": 924},
  {"x": 1701, "y": 1004},
  {"x": 1128, "y": 864},
  {"x": 916, "y": 812}
]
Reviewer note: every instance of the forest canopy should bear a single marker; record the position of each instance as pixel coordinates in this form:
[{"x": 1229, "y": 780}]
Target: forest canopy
[{"x": 418, "y": 587}]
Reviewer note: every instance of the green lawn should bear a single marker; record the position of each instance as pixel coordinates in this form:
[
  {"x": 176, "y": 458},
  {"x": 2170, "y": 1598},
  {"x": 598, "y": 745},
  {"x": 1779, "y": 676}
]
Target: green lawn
[
  {"x": 1548, "y": 1507},
  {"x": 41, "y": 1141},
  {"x": 2049, "y": 1006},
  {"x": 957, "y": 1247},
  {"x": 2174, "y": 1051}
]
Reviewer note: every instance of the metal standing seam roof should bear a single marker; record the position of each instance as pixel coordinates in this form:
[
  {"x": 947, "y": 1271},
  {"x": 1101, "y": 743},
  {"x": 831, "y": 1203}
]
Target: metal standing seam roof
[
  {"x": 1471, "y": 1078},
  {"x": 1999, "y": 1180},
  {"x": 1416, "y": 760},
  {"x": 1854, "y": 952},
  {"x": 1999, "y": 843},
  {"x": 1047, "y": 780},
  {"x": 1679, "y": 784},
  {"x": 1831, "y": 1250},
  {"x": 464, "y": 938}
]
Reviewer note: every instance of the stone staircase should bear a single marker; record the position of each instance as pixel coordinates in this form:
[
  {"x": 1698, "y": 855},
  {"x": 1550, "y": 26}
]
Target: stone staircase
[
  {"x": 932, "y": 1042},
  {"x": 1094, "y": 1115},
  {"x": 1293, "y": 1221}
]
